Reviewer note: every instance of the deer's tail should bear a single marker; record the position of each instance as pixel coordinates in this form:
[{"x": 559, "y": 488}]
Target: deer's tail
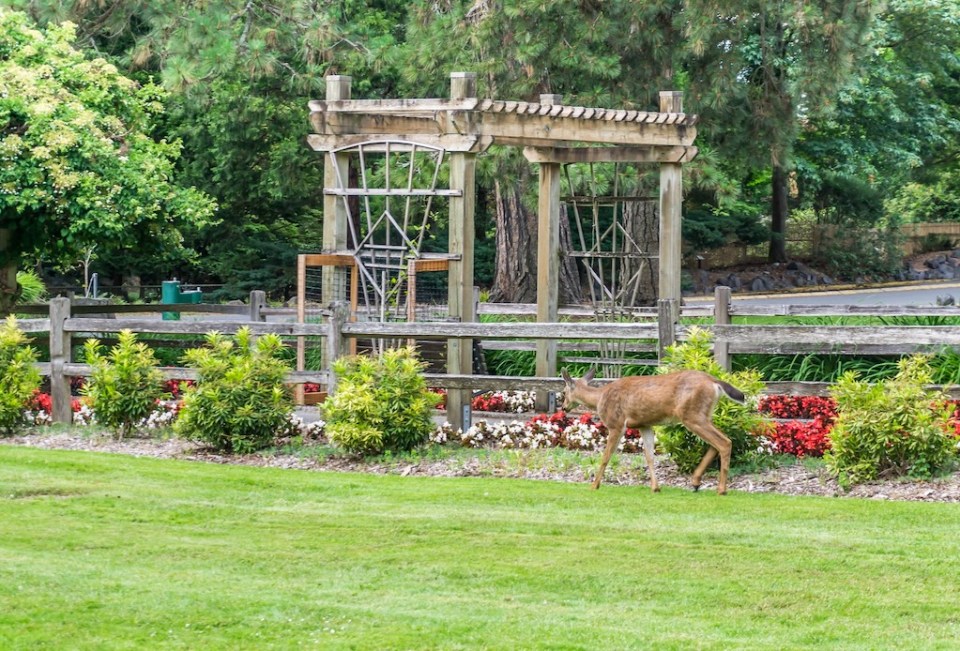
[{"x": 731, "y": 391}]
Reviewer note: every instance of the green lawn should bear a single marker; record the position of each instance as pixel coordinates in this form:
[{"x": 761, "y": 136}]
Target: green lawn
[{"x": 104, "y": 552}]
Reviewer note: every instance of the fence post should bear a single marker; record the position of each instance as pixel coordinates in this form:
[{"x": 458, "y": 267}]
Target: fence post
[
  {"x": 721, "y": 316},
  {"x": 335, "y": 345},
  {"x": 667, "y": 310},
  {"x": 60, "y": 355},
  {"x": 258, "y": 300}
]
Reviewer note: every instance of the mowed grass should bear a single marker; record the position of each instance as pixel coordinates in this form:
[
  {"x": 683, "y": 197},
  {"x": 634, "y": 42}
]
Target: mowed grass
[{"x": 105, "y": 551}]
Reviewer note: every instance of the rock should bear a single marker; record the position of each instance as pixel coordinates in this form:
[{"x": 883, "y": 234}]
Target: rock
[
  {"x": 798, "y": 266},
  {"x": 933, "y": 263},
  {"x": 733, "y": 282}
]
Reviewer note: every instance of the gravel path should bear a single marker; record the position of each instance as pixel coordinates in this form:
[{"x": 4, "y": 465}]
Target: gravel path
[{"x": 791, "y": 480}]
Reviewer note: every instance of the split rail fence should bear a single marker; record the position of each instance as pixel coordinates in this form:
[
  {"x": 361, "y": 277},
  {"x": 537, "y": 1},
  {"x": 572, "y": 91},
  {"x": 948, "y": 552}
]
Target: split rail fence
[{"x": 648, "y": 329}]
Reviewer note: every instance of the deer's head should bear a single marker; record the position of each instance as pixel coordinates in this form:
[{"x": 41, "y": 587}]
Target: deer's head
[{"x": 572, "y": 387}]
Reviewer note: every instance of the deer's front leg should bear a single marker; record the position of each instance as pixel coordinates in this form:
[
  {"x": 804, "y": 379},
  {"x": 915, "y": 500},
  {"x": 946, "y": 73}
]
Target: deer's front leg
[
  {"x": 613, "y": 438},
  {"x": 648, "y": 442}
]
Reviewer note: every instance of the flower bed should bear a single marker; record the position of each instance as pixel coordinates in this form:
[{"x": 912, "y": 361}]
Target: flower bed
[
  {"x": 507, "y": 402},
  {"x": 582, "y": 432},
  {"x": 38, "y": 412},
  {"x": 803, "y": 424}
]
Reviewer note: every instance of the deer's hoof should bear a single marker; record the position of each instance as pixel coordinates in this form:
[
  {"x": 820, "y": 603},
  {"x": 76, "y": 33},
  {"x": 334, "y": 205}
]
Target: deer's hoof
[
  {"x": 656, "y": 489},
  {"x": 696, "y": 489}
]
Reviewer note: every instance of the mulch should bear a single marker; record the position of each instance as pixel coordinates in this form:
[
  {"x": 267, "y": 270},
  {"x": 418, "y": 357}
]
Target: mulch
[{"x": 797, "y": 479}]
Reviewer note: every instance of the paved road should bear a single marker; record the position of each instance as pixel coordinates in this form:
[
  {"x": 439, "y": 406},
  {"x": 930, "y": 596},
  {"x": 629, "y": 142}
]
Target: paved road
[{"x": 919, "y": 294}]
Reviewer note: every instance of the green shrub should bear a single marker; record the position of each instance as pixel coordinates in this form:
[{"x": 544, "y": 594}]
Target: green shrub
[
  {"x": 19, "y": 380},
  {"x": 239, "y": 403},
  {"x": 380, "y": 403},
  {"x": 356, "y": 438},
  {"x": 31, "y": 287},
  {"x": 741, "y": 423},
  {"x": 895, "y": 427},
  {"x": 125, "y": 385}
]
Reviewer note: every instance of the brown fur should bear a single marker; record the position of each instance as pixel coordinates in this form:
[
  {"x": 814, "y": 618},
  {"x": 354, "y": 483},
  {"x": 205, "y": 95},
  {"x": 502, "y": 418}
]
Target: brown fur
[{"x": 642, "y": 401}]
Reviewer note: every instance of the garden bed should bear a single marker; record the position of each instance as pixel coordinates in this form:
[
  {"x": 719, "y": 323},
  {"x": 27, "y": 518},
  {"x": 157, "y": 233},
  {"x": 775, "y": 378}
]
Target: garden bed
[{"x": 798, "y": 478}]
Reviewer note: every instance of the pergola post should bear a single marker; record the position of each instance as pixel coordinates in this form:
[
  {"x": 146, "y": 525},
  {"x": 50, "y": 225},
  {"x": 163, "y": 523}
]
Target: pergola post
[
  {"x": 548, "y": 263},
  {"x": 335, "y": 175},
  {"x": 463, "y": 85},
  {"x": 671, "y": 201},
  {"x": 333, "y": 279}
]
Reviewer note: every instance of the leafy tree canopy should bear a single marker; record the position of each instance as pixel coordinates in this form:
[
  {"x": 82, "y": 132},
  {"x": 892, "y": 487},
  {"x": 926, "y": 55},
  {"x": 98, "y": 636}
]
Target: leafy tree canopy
[{"x": 77, "y": 164}]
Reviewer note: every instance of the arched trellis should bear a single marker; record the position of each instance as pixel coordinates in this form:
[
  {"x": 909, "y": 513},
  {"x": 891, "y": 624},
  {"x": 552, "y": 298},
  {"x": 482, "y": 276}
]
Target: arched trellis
[
  {"x": 551, "y": 134},
  {"x": 613, "y": 254},
  {"x": 396, "y": 185}
]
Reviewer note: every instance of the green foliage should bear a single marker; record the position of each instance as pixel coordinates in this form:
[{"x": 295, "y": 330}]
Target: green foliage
[
  {"x": 816, "y": 367},
  {"x": 380, "y": 403},
  {"x": 741, "y": 423},
  {"x": 934, "y": 202},
  {"x": 32, "y": 289},
  {"x": 709, "y": 227},
  {"x": 356, "y": 438},
  {"x": 891, "y": 428},
  {"x": 511, "y": 362},
  {"x": 239, "y": 403},
  {"x": 18, "y": 378},
  {"x": 77, "y": 163},
  {"x": 125, "y": 385},
  {"x": 860, "y": 241}
]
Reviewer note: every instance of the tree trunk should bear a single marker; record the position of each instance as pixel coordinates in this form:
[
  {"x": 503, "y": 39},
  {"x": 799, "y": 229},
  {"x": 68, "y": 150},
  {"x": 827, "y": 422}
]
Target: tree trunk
[
  {"x": 9, "y": 289},
  {"x": 778, "y": 213},
  {"x": 515, "y": 275},
  {"x": 640, "y": 276}
]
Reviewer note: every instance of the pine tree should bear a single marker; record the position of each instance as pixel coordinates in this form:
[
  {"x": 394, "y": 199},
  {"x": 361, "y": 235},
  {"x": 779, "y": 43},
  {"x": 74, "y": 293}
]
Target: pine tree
[{"x": 759, "y": 69}]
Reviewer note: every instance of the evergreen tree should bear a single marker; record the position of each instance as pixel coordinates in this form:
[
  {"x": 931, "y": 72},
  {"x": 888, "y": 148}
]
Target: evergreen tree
[{"x": 759, "y": 69}]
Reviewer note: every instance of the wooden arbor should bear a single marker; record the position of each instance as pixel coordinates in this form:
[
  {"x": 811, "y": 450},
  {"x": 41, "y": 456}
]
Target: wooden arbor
[{"x": 551, "y": 133}]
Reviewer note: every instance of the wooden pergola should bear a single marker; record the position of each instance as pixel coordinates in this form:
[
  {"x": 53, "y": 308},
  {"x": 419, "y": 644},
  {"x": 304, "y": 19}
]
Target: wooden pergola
[{"x": 551, "y": 133}]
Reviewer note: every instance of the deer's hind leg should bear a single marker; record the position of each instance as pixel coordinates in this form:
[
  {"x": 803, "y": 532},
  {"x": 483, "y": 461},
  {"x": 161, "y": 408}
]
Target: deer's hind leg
[
  {"x": 613, "y": 438},
  {"x": 719, "y": 445}
]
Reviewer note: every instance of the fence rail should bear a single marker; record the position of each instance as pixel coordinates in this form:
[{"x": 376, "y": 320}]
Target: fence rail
[{"x": 66, "y": 323}]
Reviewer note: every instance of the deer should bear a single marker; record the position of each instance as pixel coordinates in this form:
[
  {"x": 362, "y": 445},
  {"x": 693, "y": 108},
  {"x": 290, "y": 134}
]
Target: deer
[{"x": 642, "y": 401}]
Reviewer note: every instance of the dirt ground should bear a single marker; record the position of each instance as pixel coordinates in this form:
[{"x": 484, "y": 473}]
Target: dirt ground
[{"x": 797, "y": 479}]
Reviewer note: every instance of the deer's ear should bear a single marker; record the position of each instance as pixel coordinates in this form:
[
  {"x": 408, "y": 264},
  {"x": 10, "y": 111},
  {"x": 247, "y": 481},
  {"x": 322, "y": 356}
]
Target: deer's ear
[
  {"x": 589, "y": 374},
  {"x": 565, "y": 375}
]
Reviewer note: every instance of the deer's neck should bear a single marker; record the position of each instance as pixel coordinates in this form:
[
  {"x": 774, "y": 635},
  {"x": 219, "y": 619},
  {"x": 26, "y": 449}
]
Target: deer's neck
[{"x": 589, "y": 396}]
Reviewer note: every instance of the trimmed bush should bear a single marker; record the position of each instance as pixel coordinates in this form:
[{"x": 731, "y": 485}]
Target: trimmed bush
[
  {"x": 19, "y": 380},
  {"x": 891, "y": 428},
  {"x": 743, "y": 424},
  {"x": 239, "y": 402},
  {"x": 381, "y": 403},
  {"x": 126, "y": 384}
]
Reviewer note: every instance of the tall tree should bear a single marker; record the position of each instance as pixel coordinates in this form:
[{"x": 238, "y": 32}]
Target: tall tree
[
  {"x": 592, "y": 53},
  {"x": 759, "y": 69},
  {"x": 78, "y": 166},
  {"x": 239, "y": 74}
]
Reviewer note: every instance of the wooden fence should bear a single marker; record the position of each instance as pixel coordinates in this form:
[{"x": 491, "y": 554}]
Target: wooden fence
[{"x": 648, "y": 330}]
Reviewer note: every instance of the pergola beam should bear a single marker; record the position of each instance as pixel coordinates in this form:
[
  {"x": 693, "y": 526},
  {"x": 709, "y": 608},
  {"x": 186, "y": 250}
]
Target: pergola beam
[
  {"x": 399, "y": 142},
  {"x": 648, "y": 154},
  {"x": 523, "y": 128}
]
